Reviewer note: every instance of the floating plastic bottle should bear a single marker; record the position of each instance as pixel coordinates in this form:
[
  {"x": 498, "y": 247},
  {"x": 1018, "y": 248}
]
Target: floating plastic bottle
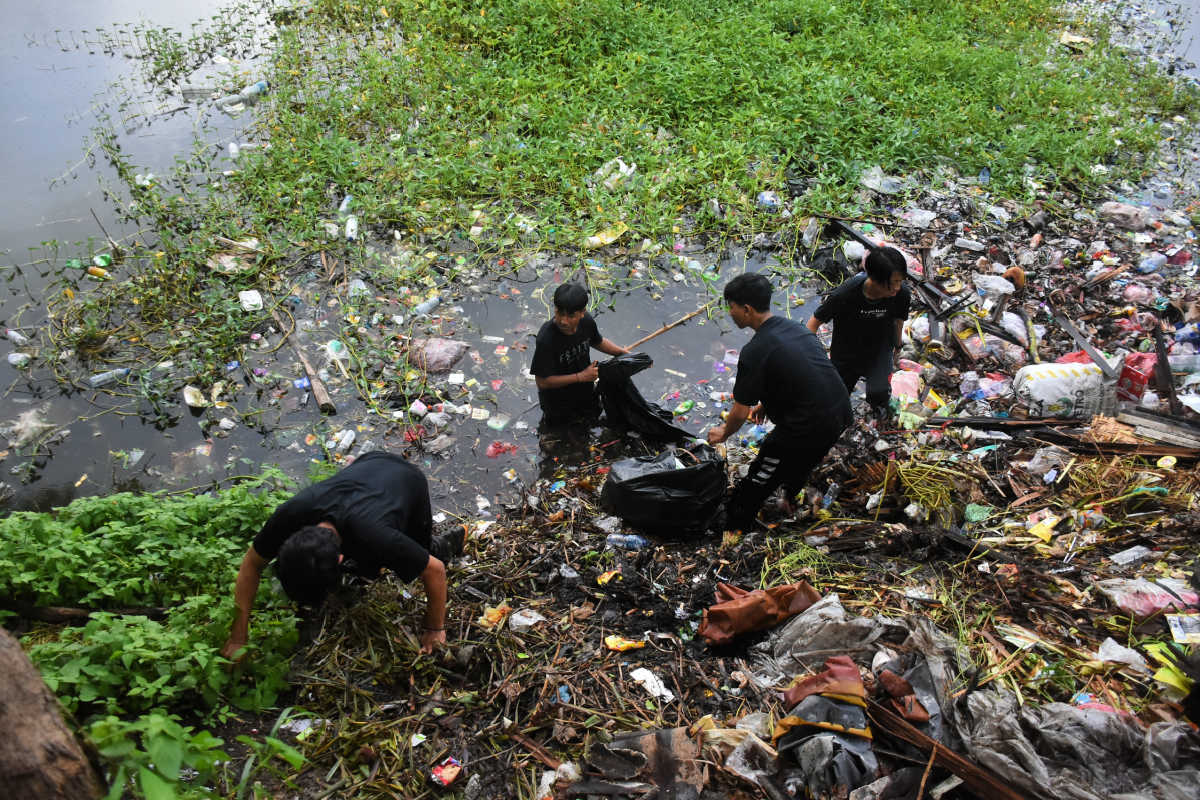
[
  {"x": 344, "y": 208},
  {"x": 351, "y": 228},
  {"x": 248, "y": 95},
  {"x": 19, "y": 360},
  {"x": 684, "y": 407},
  {"x": 102, "y": 378},
  {"x": 626, "y": 541},
  {"x": 344, "y": 441},
  {"x": 428, "y": 305},
  {"x": 16, "y": 337}
]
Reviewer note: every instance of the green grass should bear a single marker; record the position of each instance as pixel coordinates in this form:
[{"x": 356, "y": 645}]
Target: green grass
[
  {"x": 513, "y": 105},
  {"x": 433, "y": 112}
]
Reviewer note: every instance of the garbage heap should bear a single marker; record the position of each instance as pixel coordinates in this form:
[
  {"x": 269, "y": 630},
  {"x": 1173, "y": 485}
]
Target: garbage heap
[{"x": 993, "y": 594}]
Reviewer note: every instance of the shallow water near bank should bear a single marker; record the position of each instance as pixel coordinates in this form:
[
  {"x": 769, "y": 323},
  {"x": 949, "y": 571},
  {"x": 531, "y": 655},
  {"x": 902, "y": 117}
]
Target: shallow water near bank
[{"x": 57, "y": 80}]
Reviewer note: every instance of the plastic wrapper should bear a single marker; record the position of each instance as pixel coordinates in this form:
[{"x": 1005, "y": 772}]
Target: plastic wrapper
[
  {"x": 436, "y": 355},
  {"x": 739, "y": 611},
  {"x": 1141, "y": 597},
  {"x": 831, "y": 762}
]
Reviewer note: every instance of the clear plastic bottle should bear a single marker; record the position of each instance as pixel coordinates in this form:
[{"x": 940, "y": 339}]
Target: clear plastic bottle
[
  {"x": 351, "y": 228},
  {"x": 428, "y": 305},
  {"x": 831, "y": 494},
  {"x": 102, "y": 378},
  {"x": 16, "y": 337},
  {"x": 344, "y": 441},
  {"x": 626, "y": 541},
  {"x": 248, "y": 95}
]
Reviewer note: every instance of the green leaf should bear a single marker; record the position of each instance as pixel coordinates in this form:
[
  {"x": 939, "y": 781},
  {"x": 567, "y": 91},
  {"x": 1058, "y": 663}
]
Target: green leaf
[
  {"x": 154, "y": 787},
  {"x": 167, "y": 754},
  {"x": 287, "y": 752}
]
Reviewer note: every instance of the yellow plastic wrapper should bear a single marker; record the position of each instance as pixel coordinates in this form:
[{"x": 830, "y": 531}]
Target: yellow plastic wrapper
[
  {"x": 604, "y": 577},
  {"x": 620, "y": 644},
  {"x": 494, "y": 615}
]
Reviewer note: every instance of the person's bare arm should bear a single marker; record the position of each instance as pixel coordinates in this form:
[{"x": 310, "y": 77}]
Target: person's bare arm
[
  {"x": 608, "y": 347},
  {"x": 737, "y": 415},
  {"x": 434, "y": 578},
  {"x": 245, "y": 587},
  {"x": 814, "y": 324}
]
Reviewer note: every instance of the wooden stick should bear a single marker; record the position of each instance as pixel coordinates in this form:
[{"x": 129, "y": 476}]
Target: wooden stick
[
  {"x": 324, "y": 401},
  {"x": 668, "y": 327}
]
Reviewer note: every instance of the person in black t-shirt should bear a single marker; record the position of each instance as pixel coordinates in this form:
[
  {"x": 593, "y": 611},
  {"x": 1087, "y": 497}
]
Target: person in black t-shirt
[
  {"x": 784, "y": 375},
  {"x": 562, "y": 364},
  {"x": 868, "y": 312},
  {"x": 373, "y": 514}
]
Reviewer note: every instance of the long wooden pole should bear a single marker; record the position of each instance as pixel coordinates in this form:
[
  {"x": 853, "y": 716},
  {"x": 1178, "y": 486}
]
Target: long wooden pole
[{"x": 668, "y": 327}]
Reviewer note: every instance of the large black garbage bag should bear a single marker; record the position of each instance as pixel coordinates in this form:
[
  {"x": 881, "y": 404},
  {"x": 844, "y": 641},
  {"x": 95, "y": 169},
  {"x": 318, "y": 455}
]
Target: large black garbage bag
[
  {"x": 624, "y": 406},
  {"x": 677, "y": 492}
]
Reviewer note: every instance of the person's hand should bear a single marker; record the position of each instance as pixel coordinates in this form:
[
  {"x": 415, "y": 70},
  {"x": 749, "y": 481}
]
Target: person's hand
[
  {"x": 431, "y": 639},
  {"x": 758, "y": 415},
  {"x": 230, "y": 650},
  {"x": 591, "y": 373},
  {"x": 716, "y": 434}
]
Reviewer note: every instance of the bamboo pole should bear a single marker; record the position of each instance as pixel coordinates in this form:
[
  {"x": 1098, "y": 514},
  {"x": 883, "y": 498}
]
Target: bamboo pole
[{"x": 668, "y": 326}]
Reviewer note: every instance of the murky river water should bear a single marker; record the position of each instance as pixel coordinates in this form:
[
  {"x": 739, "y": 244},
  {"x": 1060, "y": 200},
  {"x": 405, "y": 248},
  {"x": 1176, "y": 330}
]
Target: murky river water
[{"x": 56, "y": 81}]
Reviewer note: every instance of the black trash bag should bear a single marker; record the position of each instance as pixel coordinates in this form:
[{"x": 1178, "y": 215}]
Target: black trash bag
[
  {"x": 677, "y": 492},
  {"x": 624, "y": 406},
  {"x": 831, "y": 262}
]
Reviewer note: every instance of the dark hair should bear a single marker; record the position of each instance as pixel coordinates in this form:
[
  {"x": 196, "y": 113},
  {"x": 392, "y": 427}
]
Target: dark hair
[
  {"x": 883, "y": 262},
  {"x": 570, "y": 297},
  {"x": 751, "y": 289},
  {"x": 308, "y": 564}
]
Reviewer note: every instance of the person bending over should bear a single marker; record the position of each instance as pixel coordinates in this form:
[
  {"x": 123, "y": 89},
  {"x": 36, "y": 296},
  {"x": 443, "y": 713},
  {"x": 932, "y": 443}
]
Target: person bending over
[
  {"x": 784, "y": 375},
  {"x": 370, "y": 516},
  {"x": 868, "y": 312}
]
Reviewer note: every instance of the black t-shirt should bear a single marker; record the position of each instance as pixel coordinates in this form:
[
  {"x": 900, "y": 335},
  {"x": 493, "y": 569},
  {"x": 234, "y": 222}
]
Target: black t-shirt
[
  {"x": 555, "y": 353},
  {"x": 861, "y": 327},
  {"x": 785, "y": 368},
  {"x": 380, "y": 507}
]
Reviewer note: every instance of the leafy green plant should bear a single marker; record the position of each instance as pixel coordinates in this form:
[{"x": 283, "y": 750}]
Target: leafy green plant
[
  {"x": 156, "y": 757},
  {"x": 129, "y": 664},
  {"x": 132, "y": 550},
  {"x": 179, "y": 554}
]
